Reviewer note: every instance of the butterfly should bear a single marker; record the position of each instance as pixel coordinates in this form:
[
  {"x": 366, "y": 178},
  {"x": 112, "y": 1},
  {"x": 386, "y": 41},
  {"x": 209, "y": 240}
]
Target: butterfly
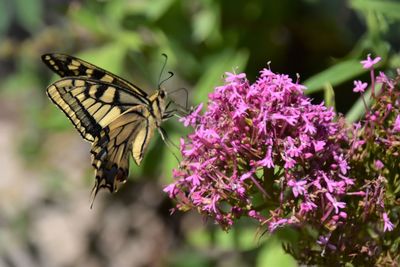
[{"x": 114, "y": 115}]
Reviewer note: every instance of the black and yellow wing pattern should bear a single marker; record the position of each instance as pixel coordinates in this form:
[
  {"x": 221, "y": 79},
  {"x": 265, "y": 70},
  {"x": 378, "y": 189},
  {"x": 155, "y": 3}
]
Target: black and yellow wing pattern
[{"x": 116, "y": 116}]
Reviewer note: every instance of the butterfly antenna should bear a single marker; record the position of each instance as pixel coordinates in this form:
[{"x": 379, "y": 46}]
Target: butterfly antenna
[
  {"x": 166, "y": 79},
  {"x": 168, "y": 142},
  {"x": 162, "y": 71}
]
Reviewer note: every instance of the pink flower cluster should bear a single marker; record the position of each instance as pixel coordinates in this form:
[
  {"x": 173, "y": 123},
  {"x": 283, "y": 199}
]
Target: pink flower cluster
[{"x": 263, "y": 150}]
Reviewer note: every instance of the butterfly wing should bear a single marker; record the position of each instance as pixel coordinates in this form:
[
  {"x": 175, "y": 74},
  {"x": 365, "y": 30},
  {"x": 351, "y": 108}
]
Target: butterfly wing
[
  {"x": 69, "y": 66},
  {"x": 130, "y": 132},
  {"x": 112, "y": 113},
  {"x": 90, "y": 104}
]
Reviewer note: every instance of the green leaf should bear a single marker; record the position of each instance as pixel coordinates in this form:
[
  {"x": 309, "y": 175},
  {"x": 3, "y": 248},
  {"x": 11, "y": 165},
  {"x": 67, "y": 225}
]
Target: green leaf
[
  {"x": 229, "y": 60},
  {"x": 357, "y": 110},
  {"x": 334, "y": 75},
  {"x": 329, "y": 96},
  {"x": 272, "y": 254},
  {"x": 390, "y": 9}
]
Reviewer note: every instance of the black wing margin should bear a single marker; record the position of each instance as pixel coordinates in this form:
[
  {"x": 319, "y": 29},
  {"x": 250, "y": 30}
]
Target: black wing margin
[{"x": 69, "y": 66}]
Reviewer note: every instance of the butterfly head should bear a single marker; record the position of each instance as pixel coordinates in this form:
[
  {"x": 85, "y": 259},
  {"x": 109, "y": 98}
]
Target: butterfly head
[
  {"x": 162, "y": 97},
  {"x": 162, "y": 94}
]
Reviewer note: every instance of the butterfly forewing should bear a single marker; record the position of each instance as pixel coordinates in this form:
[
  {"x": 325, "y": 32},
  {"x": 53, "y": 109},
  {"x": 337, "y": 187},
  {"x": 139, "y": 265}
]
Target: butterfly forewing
[
  {"x": 69, "y": 66},
  {"x": 90, "y": 104}
]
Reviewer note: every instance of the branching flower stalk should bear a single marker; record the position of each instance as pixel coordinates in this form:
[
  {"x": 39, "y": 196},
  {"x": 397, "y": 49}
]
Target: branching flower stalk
[{"x": 264, "y": 151}]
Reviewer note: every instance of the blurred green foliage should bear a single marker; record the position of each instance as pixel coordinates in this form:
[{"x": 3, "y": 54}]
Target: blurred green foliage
[{"x": 322, "y": 40}]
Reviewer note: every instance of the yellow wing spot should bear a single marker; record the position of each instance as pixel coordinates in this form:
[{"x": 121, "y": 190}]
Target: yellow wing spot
[
  {"x": 99, "y": 115},
  {"x": 107, "y": 78},
  {"x": 98, "y": 164},
  {"x": 108, "y": 96},
  {"x": 64, "y": 83},
  {"x": 88, "y": 102},
  {"x": 79, "y": 83},
  {"x": 111, "y": 115},
  {"x": 72, "y": 67},
  {"x": 93, "y": 90},
  {"x": 80, "y": 97},
  {"x": 74, "y": 62},
  {"x": 78, "y": 92},
  {"x": 94, "y": 108}
]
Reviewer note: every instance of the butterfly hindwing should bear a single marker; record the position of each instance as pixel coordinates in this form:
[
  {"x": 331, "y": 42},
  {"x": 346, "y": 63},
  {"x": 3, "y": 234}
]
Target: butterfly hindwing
[
  {"x": 69, "y": 66},
  {"x": 131, "y": 131}
]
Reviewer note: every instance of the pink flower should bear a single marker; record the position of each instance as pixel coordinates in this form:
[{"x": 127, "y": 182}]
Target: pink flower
[
  {"x": 396, "y": 126},
  {"x": 343, "y": 166},
  {"x": 267, "y": 161},
  {"x": 378, "y": 164},
  {"x": 191, "y": 118},
  {"x": 319, "y": 145},
  {"x": 369, "y": 63},
  {"x": 298, "y": 187},
  {"x": 359, "y": 86},
  {"x": 250, "y": 137},
  {"x": 324, "y": 241},
  {"x": 274, "y": 225},
  {"x": 232, "y": 77},
  {"x": 307, "y": 207},
  {"x": 388, "y": 225},
  {"x": 382, "y": 78},
  {"x": 336, "y": 204},
  {"x": 171, "y": 190}
]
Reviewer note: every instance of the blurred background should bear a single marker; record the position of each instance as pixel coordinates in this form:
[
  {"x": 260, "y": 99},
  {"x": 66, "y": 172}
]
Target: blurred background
[{"x": 46, "y": 177}]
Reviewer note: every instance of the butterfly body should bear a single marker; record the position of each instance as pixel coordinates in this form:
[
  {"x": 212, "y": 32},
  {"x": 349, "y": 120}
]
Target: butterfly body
[{"x": 116, "y": 116}]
